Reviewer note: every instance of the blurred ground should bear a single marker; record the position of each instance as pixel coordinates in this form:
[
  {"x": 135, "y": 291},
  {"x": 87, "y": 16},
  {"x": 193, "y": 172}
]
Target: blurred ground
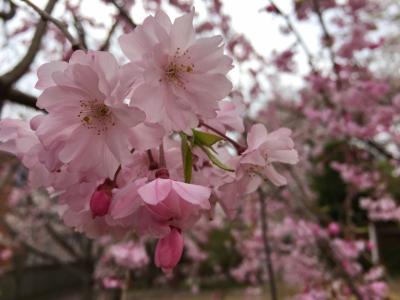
[
  {"x": 223, "y": 294},
  {"x": 395, "y": 289}
]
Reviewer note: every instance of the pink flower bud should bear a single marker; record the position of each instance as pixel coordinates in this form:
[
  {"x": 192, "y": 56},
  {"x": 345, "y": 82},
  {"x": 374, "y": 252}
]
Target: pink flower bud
[
  {"x": 100, "y": 202},
  {"x": 169, "y": 250},
  {"x": 334, "y": 229}
]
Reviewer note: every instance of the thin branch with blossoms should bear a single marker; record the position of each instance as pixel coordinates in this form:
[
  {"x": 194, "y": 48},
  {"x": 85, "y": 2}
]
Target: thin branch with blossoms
[{"x": 296, "y": 33}]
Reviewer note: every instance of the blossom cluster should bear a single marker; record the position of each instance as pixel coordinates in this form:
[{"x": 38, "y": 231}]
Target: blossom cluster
[{"x": 143, "y": 147}]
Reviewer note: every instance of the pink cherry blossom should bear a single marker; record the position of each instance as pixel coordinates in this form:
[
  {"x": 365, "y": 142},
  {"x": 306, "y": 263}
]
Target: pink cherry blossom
[
  {"x": 182, "y": 76},
  {"x": 175, "y": 203},
  {"x": 265, "y": 148},
  {"x": 88, "y": 126},
  {"x": 169, "y": 250}
]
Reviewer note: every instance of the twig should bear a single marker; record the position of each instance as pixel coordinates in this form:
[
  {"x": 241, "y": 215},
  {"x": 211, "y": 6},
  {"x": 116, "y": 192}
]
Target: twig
[
  {"x": 299, "y": 38},
  {"x": 239, "y": 148},
  {"x": 328, "y": 41},
  {"x": 80, "y": 30},
  {"x": 161, "y": 156},
  {"x": 381, "y": 150},
  {"x": 124, "y": 13},
  {"x": 106, "y": 43},
  {"x": 267, "y": 246},
  {"x": 63, "y": 27},
  {"x": 61, "y": 241},
  {"x": 153, "y": 165}
]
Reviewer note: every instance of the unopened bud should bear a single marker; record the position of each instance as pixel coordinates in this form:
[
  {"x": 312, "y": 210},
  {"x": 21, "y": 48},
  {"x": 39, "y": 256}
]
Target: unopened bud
[{"x": 100, "y": 202}]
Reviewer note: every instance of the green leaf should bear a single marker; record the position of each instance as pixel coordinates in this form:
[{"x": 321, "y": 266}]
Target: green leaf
[
  {"x": 187, "y": 158},
  {"x": 215, "y": 160},
  {"x": 205, "y": 139}
]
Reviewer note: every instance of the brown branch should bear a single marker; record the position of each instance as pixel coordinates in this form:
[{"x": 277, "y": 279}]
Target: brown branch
[
  {"x": 63, "y": 27},
  {"x": 106, "y": 43},
  {"x": 61, "y": 241},
  {"x": 328, "y": 41},
  {"x": 8, "y": 15},
  {"x": 19, "y": 97},
  {"x": 297, "y": 34},
  {"x": 80, "y": 30},
  {"x": 22, "y": 67},
  {"x": 381, "y": 150},
  {"x": 267, "y": 247},
  {"x": 123, "y": 13}
]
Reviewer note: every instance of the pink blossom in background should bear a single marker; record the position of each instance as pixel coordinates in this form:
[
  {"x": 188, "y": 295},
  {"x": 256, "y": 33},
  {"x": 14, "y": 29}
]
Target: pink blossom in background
[{"x": 130, "y": 254}]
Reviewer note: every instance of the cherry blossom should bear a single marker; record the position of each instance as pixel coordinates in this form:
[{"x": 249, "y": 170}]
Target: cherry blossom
[
  {"x": 181, "y": 75},
  {"x": 87, "y": 114},
  {"x": 265, "y": 148}
]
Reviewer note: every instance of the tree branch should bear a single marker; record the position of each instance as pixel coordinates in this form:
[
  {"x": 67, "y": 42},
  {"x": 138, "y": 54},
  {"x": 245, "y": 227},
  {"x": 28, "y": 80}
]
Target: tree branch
[
  {"x": 267, "y": 247},
  {"x": 63, "y": 27},
  {"x": 22, "y": 67},
  {"x": 299, "y": 38},
  {"x": 328, "y": 41},
  {"x": 106, "y": 43},
  {"x": 8, "y": 15},
  {"x": 19, "y": 97},
  {"x": 124, "y": 13}
]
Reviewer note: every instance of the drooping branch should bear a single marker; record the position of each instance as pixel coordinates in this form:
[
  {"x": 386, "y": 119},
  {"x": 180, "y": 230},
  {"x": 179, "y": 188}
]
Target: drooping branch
[
  {"x": 328, "y": 41},
  {"x": 296, "y": 33}
]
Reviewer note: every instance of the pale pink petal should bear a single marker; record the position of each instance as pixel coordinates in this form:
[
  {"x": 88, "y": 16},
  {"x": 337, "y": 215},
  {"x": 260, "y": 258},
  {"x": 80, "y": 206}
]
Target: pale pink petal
[
  {"x": 182, "y": 32},
  {"x": 155, "y": 191},
  {"x": 163, "y": 19},
  {"x": 146, "y": 136},
  {"x": 284, "y": 156},
  {"x": 253, "y": 158},
  {"x": 195, "y": 194},
  {"x": 45, "y": 73},
  {"x": 274, "y": 176},
  {"x": 257, "y": 135},
  {"x": 126, "y": 200}
]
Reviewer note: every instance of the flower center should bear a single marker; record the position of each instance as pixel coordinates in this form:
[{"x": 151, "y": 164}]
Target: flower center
[
  {"x": 95, "y": 116},
  {"x": 176, "y": 69}
]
